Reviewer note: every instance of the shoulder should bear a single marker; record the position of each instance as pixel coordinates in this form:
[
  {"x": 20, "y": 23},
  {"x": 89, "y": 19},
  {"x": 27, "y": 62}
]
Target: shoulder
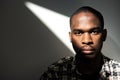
[
  {"x": 114, "y": 69},
  {"x": 110, "y": 69},
  {"x": 58, "y": 67},
  {"x": 112, "y": 66},
  {"x": 114, "y": 63},
  {"x": 110, "y": 61}
]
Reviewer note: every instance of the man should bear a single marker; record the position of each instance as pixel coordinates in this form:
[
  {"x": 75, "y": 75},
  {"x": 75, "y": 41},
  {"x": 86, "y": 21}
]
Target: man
[{"x": 87, "y": 36}]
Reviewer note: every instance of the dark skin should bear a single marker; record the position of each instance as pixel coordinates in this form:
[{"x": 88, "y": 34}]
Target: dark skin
[{"x": 87, "y": 38}]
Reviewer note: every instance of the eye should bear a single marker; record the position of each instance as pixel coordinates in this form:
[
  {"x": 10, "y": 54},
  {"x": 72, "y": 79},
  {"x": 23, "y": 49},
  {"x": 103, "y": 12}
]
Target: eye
[
  {"x": 95, "y": 32},
  {"x": 77, "y": 32}
]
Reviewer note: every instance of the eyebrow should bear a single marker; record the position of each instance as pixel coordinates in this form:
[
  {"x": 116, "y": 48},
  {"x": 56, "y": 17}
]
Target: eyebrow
[{"x": 92, "y": 29}]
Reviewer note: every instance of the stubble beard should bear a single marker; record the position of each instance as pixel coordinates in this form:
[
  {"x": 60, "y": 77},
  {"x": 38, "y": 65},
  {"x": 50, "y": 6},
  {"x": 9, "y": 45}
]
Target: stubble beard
[{"x": 81, "y": 54}]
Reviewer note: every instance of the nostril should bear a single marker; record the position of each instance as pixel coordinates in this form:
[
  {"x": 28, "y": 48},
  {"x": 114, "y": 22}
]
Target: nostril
[{"x": 88, "y": 43}]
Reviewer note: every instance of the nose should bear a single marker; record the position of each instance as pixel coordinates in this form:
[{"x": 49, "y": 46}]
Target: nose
[{"x": 87, "y": 39}]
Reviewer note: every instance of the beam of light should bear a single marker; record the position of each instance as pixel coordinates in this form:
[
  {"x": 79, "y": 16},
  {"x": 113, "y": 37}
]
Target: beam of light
[{"x": 55, "y": 22}]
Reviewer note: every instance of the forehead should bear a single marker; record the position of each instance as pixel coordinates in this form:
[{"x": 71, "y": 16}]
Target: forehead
[
  {"x": 85, "y": 13},
  {"x": 84, "y": 19}
]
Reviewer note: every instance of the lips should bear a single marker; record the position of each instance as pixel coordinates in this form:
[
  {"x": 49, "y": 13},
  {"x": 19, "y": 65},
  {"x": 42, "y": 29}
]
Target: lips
[{"x": 87, "y": 50}]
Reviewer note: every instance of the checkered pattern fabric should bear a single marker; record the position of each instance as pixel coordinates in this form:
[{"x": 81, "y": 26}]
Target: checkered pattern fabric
[
  {"x": 65, "y": 69},
  {"x": 111, "y": 70}
]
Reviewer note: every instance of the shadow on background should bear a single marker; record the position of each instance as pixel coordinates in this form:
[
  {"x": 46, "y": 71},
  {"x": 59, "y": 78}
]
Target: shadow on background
[{"x": 28, "y": 47}]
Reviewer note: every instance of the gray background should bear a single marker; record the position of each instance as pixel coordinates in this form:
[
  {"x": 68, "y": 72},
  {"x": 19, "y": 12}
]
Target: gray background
[{"x": 28, "y": 47}]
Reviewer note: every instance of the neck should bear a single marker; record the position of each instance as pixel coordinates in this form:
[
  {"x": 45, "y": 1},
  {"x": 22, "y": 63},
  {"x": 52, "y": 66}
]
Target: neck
[{"x": 88, "y": 65}]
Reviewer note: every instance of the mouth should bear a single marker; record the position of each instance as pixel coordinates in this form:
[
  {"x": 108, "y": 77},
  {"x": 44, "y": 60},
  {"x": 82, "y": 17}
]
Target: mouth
[
  {"x": 89, "y": 53},
  {"x": 87, "y": 50}
]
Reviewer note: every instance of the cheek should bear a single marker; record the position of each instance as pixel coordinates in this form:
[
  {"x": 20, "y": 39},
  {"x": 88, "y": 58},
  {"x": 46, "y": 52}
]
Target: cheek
[
  {"x": 76, "y": 40},
  {"x": 97, "y": 40}
]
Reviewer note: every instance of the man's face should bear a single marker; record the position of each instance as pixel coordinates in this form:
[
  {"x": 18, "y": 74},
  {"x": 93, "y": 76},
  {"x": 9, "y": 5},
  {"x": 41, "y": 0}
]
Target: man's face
[{"x": 86, "y": 34}]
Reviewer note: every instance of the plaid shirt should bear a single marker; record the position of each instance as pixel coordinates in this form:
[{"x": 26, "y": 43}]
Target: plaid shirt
[{"x": 65, "y": 69}]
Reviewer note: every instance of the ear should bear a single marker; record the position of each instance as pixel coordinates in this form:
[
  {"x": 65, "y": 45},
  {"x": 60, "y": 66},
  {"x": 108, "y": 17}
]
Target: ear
[
  {"x": 104, "y": 34},
  {"x": 70, "y": 36}
]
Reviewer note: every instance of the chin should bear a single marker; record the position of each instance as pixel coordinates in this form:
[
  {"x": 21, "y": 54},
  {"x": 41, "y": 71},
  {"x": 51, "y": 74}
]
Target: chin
[
  {"x": 91, "y": 56},
  {"x": 87, "y": 56}
]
